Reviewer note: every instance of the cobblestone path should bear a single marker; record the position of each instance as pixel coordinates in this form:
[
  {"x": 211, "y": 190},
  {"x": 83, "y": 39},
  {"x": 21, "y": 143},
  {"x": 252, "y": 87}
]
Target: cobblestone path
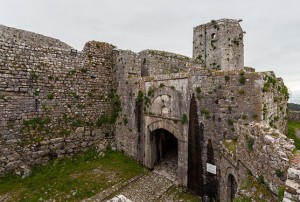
[{"x": 149, "y": 187}]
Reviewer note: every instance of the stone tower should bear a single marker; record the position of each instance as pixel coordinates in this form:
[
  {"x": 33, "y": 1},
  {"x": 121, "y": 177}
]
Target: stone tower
[{"x": 219, "y": 44}]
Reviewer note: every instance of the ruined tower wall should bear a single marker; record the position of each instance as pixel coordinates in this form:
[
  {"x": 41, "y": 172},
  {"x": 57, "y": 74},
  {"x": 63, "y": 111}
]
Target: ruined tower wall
[
  {"x": 50, "y": 101},
  {"x": 219, "y": 45},
  {"x": 128, "y": 71},
  {"x": 228, "y": 97},
  {"x": 160, "y": 62}
]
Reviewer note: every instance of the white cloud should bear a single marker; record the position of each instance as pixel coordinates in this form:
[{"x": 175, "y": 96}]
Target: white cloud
[{"x": 273, "y": 26}]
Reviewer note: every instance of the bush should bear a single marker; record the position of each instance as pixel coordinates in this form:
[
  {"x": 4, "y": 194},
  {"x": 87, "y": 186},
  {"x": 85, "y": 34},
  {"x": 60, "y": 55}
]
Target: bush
[
  {"x": 161, "y": 85},
  {"x": 205, "y": 112},
  {"x": 140, "y": 96},
  {"x": 249, "y": 142},
  {"x": 241, "y": 91},
  {"x": 242, "y": 80},
  {"x": 184, "y": 119},
  {"x": 50, "y": 96},
  {"x": 83, "y": 70},
  {"x": 198, "y": 90},
  {"x": 260, "y": 179},
  {"x": 279, "y": 172}
]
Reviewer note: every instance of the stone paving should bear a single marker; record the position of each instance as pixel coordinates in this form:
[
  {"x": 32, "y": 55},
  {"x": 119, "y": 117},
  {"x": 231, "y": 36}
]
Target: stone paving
[
  {"x": 149, "y": 187},
  {"x": 168, "y": 167}
]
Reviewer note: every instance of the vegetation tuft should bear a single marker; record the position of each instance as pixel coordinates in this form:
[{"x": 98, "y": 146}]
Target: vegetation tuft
[
  {"x": 242, "y": 78},
  {"x": 112, "y": 117},
  {"x": 249, "y": 142},
  {"x": 256, "y": 188},
  {"x": 184, "y": 119},
  {"x": 139, "y": 98},
  {"x": 205, "y": 112}
]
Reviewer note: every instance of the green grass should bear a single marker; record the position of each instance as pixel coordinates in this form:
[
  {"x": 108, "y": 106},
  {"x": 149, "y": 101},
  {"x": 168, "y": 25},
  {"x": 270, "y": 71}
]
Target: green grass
[
  {"x": 178, "y": 194},
  {"x": 71, "y": 179},
  {"x": 242, "y": 199},
  {"x": 292, "y": 128}
]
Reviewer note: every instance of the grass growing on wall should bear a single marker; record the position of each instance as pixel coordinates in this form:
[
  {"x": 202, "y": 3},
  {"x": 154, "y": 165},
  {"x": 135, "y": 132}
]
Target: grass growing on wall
[
  {"x": 257, "y": 189},
  {"x": 71, "y": 179},
  {"x": 293, "y": 127}
]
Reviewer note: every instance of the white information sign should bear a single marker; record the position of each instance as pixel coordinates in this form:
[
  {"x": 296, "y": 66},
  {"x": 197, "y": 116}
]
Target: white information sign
[{"x": 211, "y": 168}]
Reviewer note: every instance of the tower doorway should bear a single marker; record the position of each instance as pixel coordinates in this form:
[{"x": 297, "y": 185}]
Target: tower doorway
[{"x": 231, "y": 187}]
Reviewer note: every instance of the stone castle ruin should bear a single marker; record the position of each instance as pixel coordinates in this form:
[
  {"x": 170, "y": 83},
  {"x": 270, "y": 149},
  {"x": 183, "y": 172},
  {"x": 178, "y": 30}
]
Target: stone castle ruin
[{"x": 207, "y": 121}]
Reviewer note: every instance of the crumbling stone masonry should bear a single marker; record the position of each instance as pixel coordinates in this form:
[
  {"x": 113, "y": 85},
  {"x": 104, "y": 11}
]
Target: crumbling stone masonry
[{"x": 223, "y": 119}]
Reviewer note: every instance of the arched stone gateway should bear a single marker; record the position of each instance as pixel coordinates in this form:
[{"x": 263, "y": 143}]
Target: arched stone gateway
[
  {"x": 161, "y": 124},
  {"x": 165, "y": 148}
]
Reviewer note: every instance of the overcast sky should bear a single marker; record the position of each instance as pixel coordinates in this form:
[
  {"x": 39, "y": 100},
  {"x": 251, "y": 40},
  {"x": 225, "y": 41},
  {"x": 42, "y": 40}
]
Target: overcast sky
[{"x": 272, "y": 41}]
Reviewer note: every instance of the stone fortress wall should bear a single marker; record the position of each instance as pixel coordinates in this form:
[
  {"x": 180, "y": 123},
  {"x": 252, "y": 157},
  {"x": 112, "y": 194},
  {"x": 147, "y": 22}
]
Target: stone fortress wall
[
  {"x": 57, "y": 101},
  {"x": 51, "y": 98},
  {"x": 30, "y": 38}
]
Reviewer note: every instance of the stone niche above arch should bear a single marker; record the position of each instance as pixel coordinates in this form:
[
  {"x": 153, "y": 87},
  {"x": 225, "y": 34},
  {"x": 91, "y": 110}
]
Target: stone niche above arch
[{"x": 166, "y": 102}]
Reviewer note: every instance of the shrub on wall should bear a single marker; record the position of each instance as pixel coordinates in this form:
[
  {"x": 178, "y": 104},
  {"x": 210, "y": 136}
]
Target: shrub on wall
[
  {"x": 249, "y": 142},
  {"x": 242, "y": 78},
  {"x": 139, "y": 97},
  {"x": 184, "y": 119}
]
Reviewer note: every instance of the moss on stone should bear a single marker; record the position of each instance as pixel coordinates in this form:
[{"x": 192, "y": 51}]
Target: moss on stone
[
  {"x": 255, "y": 189},
  {"x": 231, "y": 145}
]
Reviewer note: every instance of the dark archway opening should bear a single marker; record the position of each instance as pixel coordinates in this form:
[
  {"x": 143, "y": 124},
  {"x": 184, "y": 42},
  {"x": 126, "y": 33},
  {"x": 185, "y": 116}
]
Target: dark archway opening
[
  {"x": 231, "y": 187},
  {"x": 165, "y": 153}
]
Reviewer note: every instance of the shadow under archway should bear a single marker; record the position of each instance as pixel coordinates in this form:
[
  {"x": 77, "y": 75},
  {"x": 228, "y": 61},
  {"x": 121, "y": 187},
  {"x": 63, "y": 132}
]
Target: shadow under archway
[{"x": 165, "y": 153}]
